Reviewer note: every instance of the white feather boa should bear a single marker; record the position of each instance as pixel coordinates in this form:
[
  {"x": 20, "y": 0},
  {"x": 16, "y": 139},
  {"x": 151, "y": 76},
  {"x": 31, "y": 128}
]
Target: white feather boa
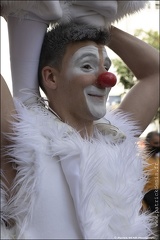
[{"x": 106, "y": 179}]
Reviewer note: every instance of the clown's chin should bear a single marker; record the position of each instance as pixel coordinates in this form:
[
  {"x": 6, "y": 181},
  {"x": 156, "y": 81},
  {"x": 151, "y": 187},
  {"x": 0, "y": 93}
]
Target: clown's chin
[{"x": 98, "y": 112}]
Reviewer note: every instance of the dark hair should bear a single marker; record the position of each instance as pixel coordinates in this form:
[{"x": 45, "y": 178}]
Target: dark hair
[{"x": 58, "y": 38}]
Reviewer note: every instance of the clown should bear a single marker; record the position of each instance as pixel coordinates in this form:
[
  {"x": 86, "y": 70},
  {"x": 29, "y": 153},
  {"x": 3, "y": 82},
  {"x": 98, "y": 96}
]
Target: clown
[
  {"x": 37, "y": 15},
  {"x": 78, "y": 171}
]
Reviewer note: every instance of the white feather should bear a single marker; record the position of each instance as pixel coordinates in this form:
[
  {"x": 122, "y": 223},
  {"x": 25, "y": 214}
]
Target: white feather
[
  {"x": 7, "y": 234},
  {"x": 129, "y": 7},
  {"x": 111, "y": 185},
  {"x": 111, "y": 174}
]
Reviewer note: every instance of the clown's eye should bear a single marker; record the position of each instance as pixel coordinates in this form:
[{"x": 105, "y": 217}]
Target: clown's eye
[{"x": 87, "y": 67}]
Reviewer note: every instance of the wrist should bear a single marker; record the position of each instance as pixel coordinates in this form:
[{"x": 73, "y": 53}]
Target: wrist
[{"x": 119, "y": 40}]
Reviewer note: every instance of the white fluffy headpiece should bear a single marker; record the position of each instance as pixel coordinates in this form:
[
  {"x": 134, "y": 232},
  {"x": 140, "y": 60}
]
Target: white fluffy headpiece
[
  {"x": 99, "y": 13},
  {"x": 103, "y": 12}
]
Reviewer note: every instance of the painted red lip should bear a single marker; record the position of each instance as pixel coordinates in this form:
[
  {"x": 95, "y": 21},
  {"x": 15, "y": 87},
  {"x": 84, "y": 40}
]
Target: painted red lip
[{"x": 107, "y": 79}]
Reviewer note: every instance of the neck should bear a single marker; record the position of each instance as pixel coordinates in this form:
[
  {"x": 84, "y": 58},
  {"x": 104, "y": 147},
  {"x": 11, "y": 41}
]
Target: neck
[{"x": 84, "y": 127}]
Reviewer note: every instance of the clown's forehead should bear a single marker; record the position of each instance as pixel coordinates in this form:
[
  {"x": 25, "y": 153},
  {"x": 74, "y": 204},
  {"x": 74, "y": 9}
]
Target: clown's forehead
[{"x": 92, "y": 51}]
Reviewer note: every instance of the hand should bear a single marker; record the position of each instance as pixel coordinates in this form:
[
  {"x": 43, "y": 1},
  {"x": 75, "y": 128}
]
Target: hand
[
  {"x": 42, "y": 10},
  {"x": 103, "y": 13},
  {"x": 98, "y": 13}
]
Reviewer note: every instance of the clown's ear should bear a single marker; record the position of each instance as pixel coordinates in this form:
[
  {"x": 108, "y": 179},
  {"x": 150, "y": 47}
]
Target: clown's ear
[{"x": 49, "y": 75}]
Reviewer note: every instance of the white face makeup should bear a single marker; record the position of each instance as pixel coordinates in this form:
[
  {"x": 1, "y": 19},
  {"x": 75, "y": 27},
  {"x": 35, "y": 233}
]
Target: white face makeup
[
  {"x": 85, "y": 61},
  {"x": 96, "y": 100},
  {"x": 95, "y": 97}
]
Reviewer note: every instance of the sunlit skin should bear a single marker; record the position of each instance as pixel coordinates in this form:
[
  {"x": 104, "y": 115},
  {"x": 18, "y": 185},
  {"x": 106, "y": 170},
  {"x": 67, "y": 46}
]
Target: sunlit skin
[{"x": 77, "y": 97}]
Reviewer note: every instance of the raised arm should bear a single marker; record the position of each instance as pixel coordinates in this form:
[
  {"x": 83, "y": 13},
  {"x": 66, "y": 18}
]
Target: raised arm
[
  {"x": 143, "y": 99},
  {"x": 27, "y": 23},
  {"x": 7, "y": 111}
]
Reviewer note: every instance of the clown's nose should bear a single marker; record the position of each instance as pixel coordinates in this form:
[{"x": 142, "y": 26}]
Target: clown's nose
[{"x": 107, "y": 79}]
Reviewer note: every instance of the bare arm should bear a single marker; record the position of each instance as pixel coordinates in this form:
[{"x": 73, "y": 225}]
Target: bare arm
[
  {"x": 7, "y": 109},
  {"x": 142, "y": 59}
]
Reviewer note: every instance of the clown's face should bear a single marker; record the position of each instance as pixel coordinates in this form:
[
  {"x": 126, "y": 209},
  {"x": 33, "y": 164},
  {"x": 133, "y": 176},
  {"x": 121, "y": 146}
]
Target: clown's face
[{"x": 80, "y": 96}]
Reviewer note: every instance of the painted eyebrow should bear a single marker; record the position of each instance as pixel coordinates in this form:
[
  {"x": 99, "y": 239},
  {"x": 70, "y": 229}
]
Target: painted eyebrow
[
  {"x": 106, "y": 60},
  {"x": 86, "y": 55}
]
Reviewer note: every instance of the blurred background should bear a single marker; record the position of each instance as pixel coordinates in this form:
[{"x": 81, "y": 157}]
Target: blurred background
[{"x": 144, "y": 25}]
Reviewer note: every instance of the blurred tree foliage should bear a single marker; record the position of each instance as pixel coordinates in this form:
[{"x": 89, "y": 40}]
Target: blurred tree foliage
[
  {"x": 151, "y": 37},
  {"x": 126, "y": 76}
]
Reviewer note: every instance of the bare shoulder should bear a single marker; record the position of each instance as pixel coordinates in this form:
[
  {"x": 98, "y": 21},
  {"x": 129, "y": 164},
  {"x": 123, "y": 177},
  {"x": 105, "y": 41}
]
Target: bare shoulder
[
  {"x": 7, "y": 106},
  {"x": 7, "y": 110}
]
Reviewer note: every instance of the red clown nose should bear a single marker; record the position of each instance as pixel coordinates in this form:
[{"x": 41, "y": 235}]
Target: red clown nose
[{"x": 107, "y": 79}]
